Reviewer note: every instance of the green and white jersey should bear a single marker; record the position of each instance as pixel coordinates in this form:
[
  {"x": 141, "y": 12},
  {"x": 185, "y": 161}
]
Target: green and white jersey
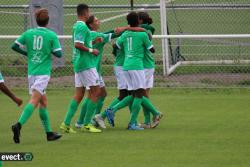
[
  {"x": 99, "y": 46},
  {"x": 119, "y": 57},
  {"x": 1, "y": 77},
  {"x": 82, "y": 60},
  {"x": 148, "y": 61},
  {"x": 39, "y": 43},
  {"x": 134, "y": 44}
]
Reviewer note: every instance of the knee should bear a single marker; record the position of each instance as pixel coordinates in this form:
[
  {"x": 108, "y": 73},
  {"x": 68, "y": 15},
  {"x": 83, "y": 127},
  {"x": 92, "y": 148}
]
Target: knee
[{"x": 78, "y": 98}]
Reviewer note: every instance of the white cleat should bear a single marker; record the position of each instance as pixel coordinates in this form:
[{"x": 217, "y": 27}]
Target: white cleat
[
  {"x": 78, "y": 125},
  {"x": 100, "y": 121}
]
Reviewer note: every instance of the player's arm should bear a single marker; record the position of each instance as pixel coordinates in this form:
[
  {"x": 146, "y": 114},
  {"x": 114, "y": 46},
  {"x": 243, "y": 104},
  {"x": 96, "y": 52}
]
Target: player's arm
[
  {"x": 19, "y": 45},
  {"x": 118, "y": 44},
  {"x": 17, "y": 48},
  {"x": 6, "y": 91},
  {"x": 148, "y": 44},
  {"x": 58, "y": 53},
  {"x": 56, "y": 46},
  {"x": 79, "y": 39},
  {"x": 82, "y": 47}
]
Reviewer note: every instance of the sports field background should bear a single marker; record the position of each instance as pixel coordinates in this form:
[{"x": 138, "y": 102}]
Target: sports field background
[
  {"x": 197, "y": 21},
  {"x": 200, "y": 127},
  {"x": 208, "y": 128}
]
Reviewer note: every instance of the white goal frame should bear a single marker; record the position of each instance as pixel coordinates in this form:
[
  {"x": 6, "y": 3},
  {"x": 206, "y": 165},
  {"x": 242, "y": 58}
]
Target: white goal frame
[{"x": 168, "y": 69}]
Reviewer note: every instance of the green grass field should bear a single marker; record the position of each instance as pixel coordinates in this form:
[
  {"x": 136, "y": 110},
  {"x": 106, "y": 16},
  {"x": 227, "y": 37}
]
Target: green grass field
[{"x": 201, "y": 128}]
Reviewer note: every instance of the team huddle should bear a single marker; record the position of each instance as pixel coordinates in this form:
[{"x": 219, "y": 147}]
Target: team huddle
[{"x": 134, "y": 70}]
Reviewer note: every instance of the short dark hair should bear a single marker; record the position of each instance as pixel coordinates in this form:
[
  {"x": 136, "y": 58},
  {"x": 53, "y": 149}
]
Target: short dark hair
[
  {"x": 81, "y": 8},
  {"x": 144, "y": 16},
  {"x": 42, "y": 17},
  {"x": 90, "y": 20},
  {"x": 133, "y": 19}
]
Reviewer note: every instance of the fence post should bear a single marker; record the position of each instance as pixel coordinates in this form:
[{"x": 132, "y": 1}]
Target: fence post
[{"x": 165, "y": 56}]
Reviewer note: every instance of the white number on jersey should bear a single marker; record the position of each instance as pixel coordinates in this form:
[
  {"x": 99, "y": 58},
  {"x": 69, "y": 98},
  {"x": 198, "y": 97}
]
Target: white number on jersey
[
  {"x": 129, "y": 40},
  {"x": 38, "y": 42}
]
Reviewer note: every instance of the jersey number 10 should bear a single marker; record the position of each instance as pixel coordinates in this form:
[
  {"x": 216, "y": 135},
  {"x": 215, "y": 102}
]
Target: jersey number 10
[{"x": 38, "y": 42}]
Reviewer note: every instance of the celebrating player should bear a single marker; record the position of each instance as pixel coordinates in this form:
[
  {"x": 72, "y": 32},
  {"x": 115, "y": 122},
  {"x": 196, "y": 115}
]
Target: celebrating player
[
  {"x": 86, "y": 75},
  {"x": 40, "y": 42},
  {"x": 145, "y": 22}
]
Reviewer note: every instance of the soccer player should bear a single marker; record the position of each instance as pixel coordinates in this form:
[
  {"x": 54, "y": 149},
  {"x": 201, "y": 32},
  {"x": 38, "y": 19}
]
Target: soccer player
[
  {"x": 145, "y": 22},
  {"x": 99, "y": 40},
  {"x": 86, "y": 75},
  {"x": 40, "y": 42},
  {"x": 6, "y": 91},
  {"x": 124, "y": 98},
  {"x": 134, "y": 44}
]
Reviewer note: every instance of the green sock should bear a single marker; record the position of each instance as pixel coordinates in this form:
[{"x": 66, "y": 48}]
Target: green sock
[
  {"x": 136, "y": 106},
  {"x": 123, "y": 103},
  {"x": 83, "y": 111},
  {"x": 146, "y": 103},
  {"x": 27, "y": 112},
  {"x": 130, "y": 109},
  {"x": 90, "y": 112},
  {"x": 71, "y": 111},
  {"x": 99, "y": 105},
  {"x": 113, "y": 103},
  {"x": 146, "y": 116},
  {"x": 44, "y": 116}
]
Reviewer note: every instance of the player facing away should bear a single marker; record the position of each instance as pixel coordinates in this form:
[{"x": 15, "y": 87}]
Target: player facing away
[
  {"x": 134, "y": 44},
  {"x": 6, "y": 91},
  {"x": 145, "y": 22},
  {"x": 40, "y": 42},
  {"x": 86, "y": 75},
  {"x": 127, "y": 98}
]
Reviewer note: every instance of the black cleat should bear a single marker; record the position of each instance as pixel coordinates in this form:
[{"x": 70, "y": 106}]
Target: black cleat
[
  {"x": 51, "y": 136},
  {"x": 16, "y": 131}
]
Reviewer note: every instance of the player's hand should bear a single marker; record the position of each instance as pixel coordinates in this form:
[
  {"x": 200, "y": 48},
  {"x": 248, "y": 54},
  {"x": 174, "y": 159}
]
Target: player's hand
[
  {"x": 119, "y": 30},
  {"x": 18, "y": 101},
  {"x": 97, "y": 40},
  {"x": 95, "y": 52}
]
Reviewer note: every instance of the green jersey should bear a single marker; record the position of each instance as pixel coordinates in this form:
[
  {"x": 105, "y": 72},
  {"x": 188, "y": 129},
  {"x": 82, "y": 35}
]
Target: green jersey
[
  {"x": 99, "y": 46},
  {"x": 148, "y": 61},
  {"x": 1, "y": 77},
  {"x": 119, "y": 57},
  {"x": 134, "y": 44},
  {"x": 39, "y": 42},
  {"x": 82, "y": 60}
]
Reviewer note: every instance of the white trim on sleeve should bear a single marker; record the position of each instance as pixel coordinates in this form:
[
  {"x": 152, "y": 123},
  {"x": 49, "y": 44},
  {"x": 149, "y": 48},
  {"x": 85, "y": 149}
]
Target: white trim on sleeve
[
  {"x": 57, "y": 49},
  {"x": 150, "y": 47}
]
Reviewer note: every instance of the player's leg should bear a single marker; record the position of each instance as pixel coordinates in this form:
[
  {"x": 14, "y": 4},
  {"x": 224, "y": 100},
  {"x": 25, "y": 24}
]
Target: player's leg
[
  {"x": 147, "y": 120},
  {"x": 136, "y": 106},
  {"x": 83, "y": 111},
  {"x": 136, "y": 82},
  {"x": 91, "y": 80},
  {"x": 74, "y": 103},
  {"x": 103, "y": 94},
  {"x": 37, "y": 87},
  {"x": 146, "y": 103},
  {"x": 44, "y": 116}
]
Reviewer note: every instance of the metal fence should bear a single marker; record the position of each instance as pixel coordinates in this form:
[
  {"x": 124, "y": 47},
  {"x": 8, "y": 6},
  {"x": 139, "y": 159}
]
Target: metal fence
[{"x": 183, "y": 17}]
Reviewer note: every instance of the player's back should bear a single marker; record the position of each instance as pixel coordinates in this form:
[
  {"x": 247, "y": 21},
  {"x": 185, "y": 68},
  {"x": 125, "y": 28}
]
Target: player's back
[
  {"x": 39, "y": 43},
  {"x": 134, "y": 44}
]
